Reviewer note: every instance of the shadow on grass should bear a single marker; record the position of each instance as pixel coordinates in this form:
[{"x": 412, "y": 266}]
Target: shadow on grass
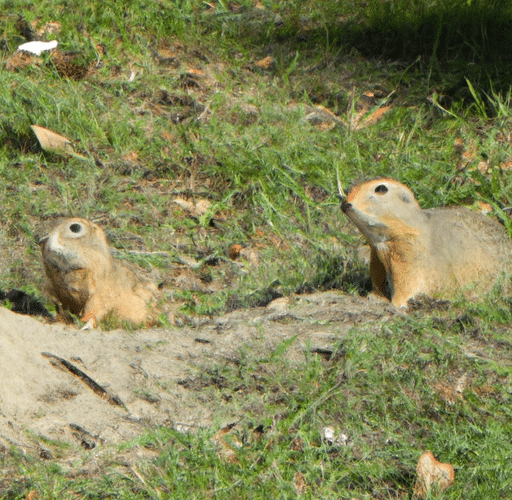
[
  {"x": 19, "y": 141},
  {"x": 335, "y": 273},
  {"x": 450, "y": 40}
]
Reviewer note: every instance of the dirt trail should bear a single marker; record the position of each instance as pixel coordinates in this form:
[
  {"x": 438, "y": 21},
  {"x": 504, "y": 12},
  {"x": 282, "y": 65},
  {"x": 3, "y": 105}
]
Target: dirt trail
[{"x": 106, "y": 387}]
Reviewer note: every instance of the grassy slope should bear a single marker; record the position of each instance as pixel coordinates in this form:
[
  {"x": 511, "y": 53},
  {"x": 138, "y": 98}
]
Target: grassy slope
[{"x": 238, "y": 136}]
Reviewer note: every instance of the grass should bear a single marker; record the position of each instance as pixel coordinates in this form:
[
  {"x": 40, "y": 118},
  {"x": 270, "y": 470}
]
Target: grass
[
  {"x": 238, "y": 135},
  {"x": 393, "y": 390}
]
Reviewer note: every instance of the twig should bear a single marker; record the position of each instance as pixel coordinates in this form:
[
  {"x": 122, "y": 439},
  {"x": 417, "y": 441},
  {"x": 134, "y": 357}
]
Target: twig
[{"x": 92, "y": 384}]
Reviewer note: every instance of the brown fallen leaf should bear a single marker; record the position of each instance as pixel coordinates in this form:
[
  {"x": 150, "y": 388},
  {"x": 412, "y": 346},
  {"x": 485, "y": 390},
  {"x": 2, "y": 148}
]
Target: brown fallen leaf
[
  {"x": 239, "y": 252},
  {"x": 323, "y": 118},
  {"x": 31, "y": 495},
  {"x": 226, "y": 451},
  {"x": 265, "y": 63},
  {"x": 366, "y": 110},
  {"x": 506, "y": 165},
  {"x": 51, "y": 141},
  {"x": 54, "y": 143},
  {"x": 373, "y": 118},
  {"x": 483, "y": 166},
  {"x": 485, "y": 208},
  {"x": 194, "y": 72},
  {"x": 195, "y": 209},
  {"x": 432, "y": 475}
]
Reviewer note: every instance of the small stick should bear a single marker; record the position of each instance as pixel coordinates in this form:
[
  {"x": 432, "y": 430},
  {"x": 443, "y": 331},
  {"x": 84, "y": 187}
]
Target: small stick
[
  {"x": 74, "y": 370},
  {"x": 341, "y": 193}
]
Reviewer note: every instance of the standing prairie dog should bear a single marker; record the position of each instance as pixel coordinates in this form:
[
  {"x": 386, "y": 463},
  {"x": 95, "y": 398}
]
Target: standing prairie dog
[
  {"x": 416, "y": 251},
  {"x": 85, "y": 278}
]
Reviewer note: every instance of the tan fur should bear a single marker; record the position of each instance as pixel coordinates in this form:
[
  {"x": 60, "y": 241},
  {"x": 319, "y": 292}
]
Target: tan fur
[
  {"x": 432, "y": 475},
  {"x": 416, "y": 251},
  {"x": 85, "y": 278}
]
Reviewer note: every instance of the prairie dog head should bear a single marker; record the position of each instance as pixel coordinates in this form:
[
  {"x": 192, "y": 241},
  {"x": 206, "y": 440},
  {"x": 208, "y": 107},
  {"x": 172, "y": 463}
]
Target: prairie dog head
[
  {"x": 76, "y": 244},
  {"x": 383, "y": 209}
]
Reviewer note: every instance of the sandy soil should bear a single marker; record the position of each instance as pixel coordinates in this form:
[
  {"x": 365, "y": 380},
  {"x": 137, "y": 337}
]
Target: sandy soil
[{"x": 96, "y": 387}]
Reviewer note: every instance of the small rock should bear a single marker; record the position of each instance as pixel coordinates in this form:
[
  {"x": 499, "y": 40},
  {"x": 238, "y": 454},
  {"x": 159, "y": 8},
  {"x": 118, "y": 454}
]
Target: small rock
[{"x": 329, "y": 437}]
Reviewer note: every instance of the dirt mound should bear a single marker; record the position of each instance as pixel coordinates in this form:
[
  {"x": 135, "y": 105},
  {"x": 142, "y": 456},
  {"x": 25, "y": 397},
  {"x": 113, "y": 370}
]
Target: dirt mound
[{"x": 104, "y": 387}]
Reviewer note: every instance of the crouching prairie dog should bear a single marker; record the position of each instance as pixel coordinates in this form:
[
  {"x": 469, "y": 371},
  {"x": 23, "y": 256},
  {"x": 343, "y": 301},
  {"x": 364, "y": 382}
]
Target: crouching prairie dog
[
  {"x": 85, "y": 278},
  {"x": 414, "y": 251}
]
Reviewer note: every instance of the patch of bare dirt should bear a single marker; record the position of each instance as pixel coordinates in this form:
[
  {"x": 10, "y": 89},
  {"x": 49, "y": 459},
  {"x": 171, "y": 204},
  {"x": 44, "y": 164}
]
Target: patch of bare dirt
[{"x": 96, "y": 387}]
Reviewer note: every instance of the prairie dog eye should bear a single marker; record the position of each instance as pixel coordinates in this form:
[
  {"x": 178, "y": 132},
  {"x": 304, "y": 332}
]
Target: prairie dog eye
[
  {"x": 76, "y": 229},
  {"x": 381, "y": 189}
]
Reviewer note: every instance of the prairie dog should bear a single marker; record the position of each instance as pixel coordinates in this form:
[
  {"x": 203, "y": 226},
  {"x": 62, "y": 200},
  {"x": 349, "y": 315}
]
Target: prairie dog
[
  {"x": 416, "y": 251},
  {"x": 85, "y": 278}
]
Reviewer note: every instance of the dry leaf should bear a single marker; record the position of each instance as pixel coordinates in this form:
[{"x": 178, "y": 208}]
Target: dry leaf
[
  {"x": 265, "y": 63},
  {"x": 196, "y": 209},
  {"x": 131, "y": 156},
  {"x": 194, "y": 72},
  {"x": 322, "y": 118},
  {"x": 53, "y": 142},
  {"x": 226, "y": 450},
  {"x": 249, "y": 255},
  {"x": 485, "y": 208},
  {"x": 31, "y": 495},
  {"x": 432, "y": 475},
  {"x": 357, "y": 110},
  {"x": 483, "y": 166},
  {"x": 458, "y": 145},
  {"x": 202, "y": 206},
  {"x": 374, "y": 117}
]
